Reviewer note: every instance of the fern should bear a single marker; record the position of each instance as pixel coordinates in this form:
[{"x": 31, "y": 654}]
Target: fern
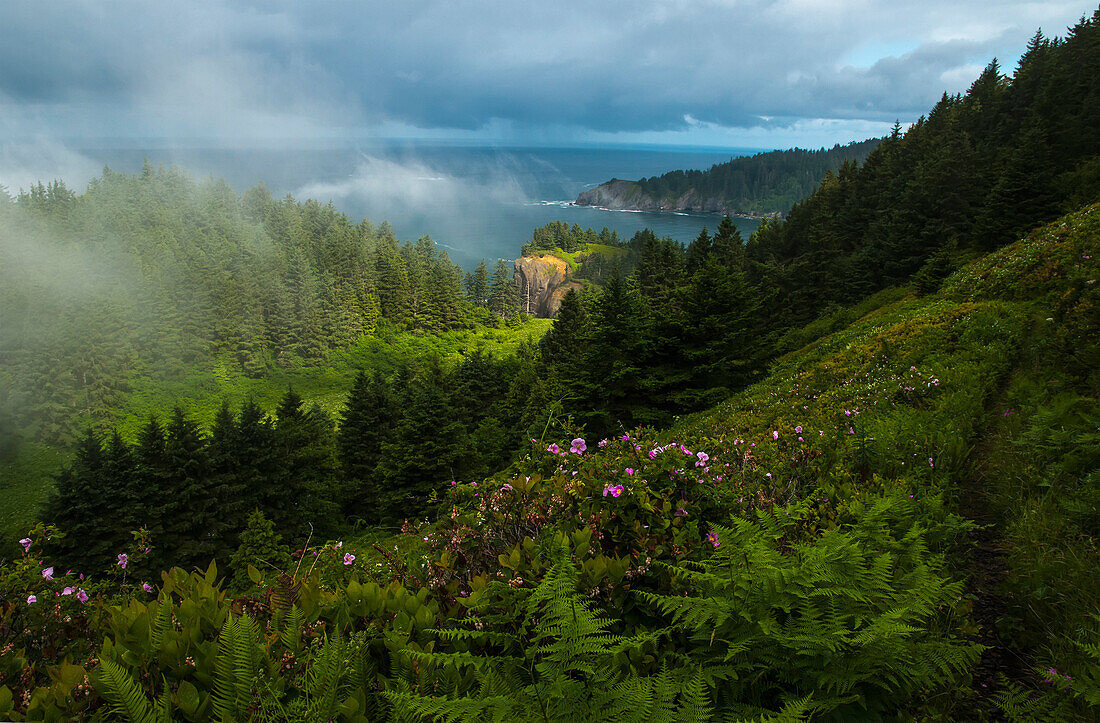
[
  {"x": 560, "y": 662},
  {"x": 236, "y": 667},
  {"x": 125, "y": 696},
  {"x": 849, "y": 617}
]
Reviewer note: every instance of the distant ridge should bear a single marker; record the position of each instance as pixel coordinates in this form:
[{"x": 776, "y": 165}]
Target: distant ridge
[{"x": 764, "y": 184}]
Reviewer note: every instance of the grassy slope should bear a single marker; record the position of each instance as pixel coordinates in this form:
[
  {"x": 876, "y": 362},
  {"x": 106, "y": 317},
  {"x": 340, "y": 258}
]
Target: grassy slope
[
  {"x": 909, "y": 400},
  {"x": 27, "y": 480},
  {"x": 1012, "y": 428},
  {"x": 575, "y": 258}
]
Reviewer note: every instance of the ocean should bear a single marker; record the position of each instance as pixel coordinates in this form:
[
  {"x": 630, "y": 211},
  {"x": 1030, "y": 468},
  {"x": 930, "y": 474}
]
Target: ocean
[{"x": 475, "y": 202}]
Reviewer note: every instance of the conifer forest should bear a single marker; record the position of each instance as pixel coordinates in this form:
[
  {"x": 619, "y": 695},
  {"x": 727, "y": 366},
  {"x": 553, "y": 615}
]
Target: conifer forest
[{"x": 261, "y": 460}]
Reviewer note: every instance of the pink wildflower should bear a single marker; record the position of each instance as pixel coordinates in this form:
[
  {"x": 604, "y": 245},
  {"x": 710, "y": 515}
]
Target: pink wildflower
[
  {"x": 339, "y": 544},
  {"x": 653, "y": 454},
  {"x": 123, "y": 560},
  {"x": 506, "y": 486},
  {"x": 81, "y": 596},
  {"x": 146, "y": 587},
  {"x": 626, "y": 437},
  {"x": 603, "y": 443},
  {"x": 31, "y": 599},
  {"x": 578, "y": 446},
  {"x": 348, "y": 558},
  {"x": 798, "y": 429},
  {"x": 26, "y": 543},
  {"x": 68, "y": 591},
  {"x": 48, "y": 573},
  {"x": 630, "y": 470},
  {"x": 553, "y": 448},
  {"x": 703, "y": 458},
  {"x": 712, "y": 538},
  {"x": 775, "y": 434}
]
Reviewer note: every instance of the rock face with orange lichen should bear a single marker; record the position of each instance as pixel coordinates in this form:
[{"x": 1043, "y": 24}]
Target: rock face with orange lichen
[{"x": 543, "y": 282}]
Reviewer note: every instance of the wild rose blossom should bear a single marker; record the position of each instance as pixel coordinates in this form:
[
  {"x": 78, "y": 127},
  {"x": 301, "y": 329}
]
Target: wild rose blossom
[
  {"x": 613, "y": 490},
  {"x": 553, "y": 448},
  {"x": 578, "y": 446}
]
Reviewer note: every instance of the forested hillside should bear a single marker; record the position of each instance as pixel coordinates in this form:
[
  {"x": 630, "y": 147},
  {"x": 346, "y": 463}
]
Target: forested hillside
[
  {"x": 798, "y": 552},
  {"x": 976, "y": 172},
  {"x": 766, "y": 183},
  {"x": 153, "y": 291},
  {"x": 845, "y": 471},
  {"x": 154, "y": 274}
]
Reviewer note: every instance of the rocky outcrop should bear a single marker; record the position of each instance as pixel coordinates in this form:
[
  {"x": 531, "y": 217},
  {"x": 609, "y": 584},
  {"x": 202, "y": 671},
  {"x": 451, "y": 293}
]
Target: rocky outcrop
[
  {"x": 543, "y": 282},
  {"x": 619, "y": 195}
]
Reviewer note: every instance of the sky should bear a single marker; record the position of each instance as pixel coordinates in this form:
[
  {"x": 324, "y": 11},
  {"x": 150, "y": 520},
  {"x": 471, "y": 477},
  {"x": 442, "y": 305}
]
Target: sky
[{"x": 718, "y": 73}]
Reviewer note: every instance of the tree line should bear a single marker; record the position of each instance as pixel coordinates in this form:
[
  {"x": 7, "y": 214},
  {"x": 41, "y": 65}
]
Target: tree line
[
  {"x": 156, "y": 274},
  {"x": 762, "y": 183}
]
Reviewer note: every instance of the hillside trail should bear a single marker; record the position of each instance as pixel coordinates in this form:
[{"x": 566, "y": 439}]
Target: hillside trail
[{"x": 986, "y": 560}]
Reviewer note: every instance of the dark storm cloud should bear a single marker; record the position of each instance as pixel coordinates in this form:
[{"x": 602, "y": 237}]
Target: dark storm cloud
[{"x": 295, "y": 68}]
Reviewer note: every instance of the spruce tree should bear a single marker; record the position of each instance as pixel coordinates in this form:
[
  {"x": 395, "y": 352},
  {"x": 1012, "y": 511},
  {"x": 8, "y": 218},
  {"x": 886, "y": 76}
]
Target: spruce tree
[
  {"x": 226, "y": 481},
  {"x": 477, "y": 290},
  {"x": 698, "y": 251},
  {"x": 81, "y": 510},
  {"x": 368, "y": 419},
  {"x": 262, "y": 547},
  {"x": 503, "y": 295},
  {"x": 192, "y": 513}
]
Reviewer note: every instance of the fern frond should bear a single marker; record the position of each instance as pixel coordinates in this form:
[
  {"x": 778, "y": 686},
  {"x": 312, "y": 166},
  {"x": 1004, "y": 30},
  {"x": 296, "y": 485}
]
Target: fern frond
[{"x": 126, "y": 697}]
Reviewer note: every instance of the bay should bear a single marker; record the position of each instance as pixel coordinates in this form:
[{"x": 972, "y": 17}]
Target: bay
[{"x": 474, "y": 201}]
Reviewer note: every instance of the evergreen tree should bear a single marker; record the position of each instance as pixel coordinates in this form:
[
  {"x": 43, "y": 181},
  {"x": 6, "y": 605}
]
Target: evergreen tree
[
  {"x": 698, "y": 251},
  {"x": 727, "y": 245},
  {"x": 192, "y": 513},
  {"x": 262, "y": 547},
  {"x": 369, "y": 418},
  {"x": 80, "y": 510},
  {"x": 503, "y": 294},
  {"x": 617, "y": 349},
  {"x": 305, "y": 452},
  {"x": 226, "y": 481},
  {"x": 427, "y": 443},
  {"x": 719, "y": 340},
  {"x": 152, "y": 487},
  {"x": 477, "y": 288}
]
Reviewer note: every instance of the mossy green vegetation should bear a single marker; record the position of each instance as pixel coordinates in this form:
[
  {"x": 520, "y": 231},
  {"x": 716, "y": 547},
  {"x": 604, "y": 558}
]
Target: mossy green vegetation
[
  {"x": 792, "y": 552},
  {"x": 683, "y": 503}
]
